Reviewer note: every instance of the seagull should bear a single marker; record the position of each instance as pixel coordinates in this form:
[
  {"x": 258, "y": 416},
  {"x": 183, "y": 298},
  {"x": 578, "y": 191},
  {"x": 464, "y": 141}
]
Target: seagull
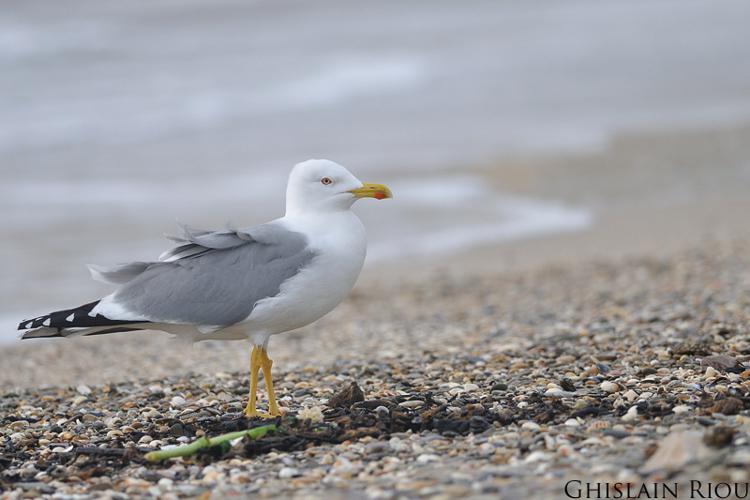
[{"x": 239, "y": 284}]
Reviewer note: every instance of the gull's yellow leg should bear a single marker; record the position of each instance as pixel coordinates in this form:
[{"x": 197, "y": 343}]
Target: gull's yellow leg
[
  {"x": 255, "y": 363},
  {"x": 265, "y": 364}
]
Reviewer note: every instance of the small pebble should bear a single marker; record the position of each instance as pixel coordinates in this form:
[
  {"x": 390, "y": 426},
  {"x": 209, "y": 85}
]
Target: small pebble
[
  {"x": 427, "y": 457},
  {"x": 313, "y": 414},
  {"x": 288, "y": 472},
  {"x": 711, "y": 372},
  {"x": 415, "y": 403},
  {"x": 632, "y": 414},
  {"x": 84, "y": 390},
  {"x": 609, "y": 387},
  {"x": 177, "y": 401}
]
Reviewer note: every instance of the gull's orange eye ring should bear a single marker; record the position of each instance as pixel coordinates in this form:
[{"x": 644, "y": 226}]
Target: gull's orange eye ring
[{"x": 326, "y": 181}]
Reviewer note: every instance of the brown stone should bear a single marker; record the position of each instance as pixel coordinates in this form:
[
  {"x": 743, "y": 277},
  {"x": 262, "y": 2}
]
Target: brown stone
[
  {"x": 347, "y": 396},
  {"x": 722, "y": 362},
  {"x": 719, "y": 436},
  {"x": 728, "y": 406}
]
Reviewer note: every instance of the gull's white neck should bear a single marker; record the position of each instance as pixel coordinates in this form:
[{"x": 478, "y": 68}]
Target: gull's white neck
[{"x": 342, "y": 225}]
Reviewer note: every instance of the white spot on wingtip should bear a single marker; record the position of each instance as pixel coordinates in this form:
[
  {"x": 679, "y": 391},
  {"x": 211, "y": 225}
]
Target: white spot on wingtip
[
  {"x": 70, "y": 318},
  {"x": 46, "y": 322}
]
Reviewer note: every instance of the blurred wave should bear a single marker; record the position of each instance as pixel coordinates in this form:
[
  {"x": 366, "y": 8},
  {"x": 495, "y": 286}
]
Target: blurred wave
[
  {"x": 450, "y": 213},
  {"x": 146, "y": 117}
]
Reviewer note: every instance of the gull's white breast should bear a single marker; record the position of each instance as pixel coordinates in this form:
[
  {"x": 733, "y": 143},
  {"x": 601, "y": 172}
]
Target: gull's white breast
[{"x": 340, "y": 244}]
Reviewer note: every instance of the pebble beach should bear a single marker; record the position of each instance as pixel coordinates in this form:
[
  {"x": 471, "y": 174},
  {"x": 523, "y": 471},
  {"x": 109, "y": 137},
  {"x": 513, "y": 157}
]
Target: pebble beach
[{"x": 633, "y": 371}]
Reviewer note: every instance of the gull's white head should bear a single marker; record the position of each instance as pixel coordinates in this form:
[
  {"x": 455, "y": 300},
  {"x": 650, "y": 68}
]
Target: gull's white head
[{"x": 324, "y": 186}]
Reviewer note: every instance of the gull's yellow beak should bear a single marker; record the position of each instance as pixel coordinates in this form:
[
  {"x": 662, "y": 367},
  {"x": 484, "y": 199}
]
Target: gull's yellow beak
[{"x": 369, "y": 190}]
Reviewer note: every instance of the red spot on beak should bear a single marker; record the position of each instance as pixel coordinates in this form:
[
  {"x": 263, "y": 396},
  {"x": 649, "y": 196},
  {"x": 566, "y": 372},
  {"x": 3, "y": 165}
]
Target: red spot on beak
[{"x": 379, "y": 195}]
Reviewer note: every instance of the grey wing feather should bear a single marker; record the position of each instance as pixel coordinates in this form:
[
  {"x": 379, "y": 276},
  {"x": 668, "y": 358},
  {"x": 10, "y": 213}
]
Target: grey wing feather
[
  {"x": 119, "y": 274},
  {"x": 194, "y": 242},
  {"x": 215, "y": 278},
  {"x": 197, "y": 241}
]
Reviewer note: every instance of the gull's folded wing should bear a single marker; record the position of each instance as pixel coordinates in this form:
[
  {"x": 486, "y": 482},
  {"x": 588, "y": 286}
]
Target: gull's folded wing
[{"x": 212, "y": 278}]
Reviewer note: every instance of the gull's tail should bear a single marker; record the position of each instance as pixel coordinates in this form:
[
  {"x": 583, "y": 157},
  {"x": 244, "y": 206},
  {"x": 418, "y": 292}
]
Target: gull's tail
[{"x": 75, "y": 322}]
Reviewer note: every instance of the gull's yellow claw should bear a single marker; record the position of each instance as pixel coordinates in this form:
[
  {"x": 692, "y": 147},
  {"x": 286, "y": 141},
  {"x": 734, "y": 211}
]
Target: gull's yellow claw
[{"x": 259, "y": 360}]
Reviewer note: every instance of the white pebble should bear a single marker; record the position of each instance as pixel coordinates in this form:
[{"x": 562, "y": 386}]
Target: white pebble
[
  {"x": 741, "y": 457},
  {"x": 537, "y": 456},
  {"x": 631, "y": 395},
  {"x": 288, "y": 472},
  {"x": 711, "y": 372},
  {"x": 313, "y": 414},
  {"x": 178, "y": 401},
  {"x": 165, "y": 484},
  {"x": 414, "y": 403},
  {"x": 632, "y": 414},
  {"x": 609, "y": 387},
  {"x": 397, "y": 444},
  {"x": 18, "y": 425},
  {"x": 83, "y": 389},
  {"x": 530, "y": 426},
  {"x": 427, "y": 457},
  {"x": 78, "y": 400}
]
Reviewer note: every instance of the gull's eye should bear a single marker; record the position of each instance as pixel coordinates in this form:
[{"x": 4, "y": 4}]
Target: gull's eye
[{"x": 326, "y": 181}]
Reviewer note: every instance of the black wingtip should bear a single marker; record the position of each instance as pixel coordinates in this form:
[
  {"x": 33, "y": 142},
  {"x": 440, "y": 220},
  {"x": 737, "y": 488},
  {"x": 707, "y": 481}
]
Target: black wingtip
[
  {"x": 26, "y": 324},
  {"x": 59, "y": 321},
  {"x": 38, "y": 322}
]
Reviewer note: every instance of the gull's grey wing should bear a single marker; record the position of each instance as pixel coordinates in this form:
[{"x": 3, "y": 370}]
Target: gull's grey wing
[
  {"x": 197, "y": 241},
  {"x": 213, "y": 278}
]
